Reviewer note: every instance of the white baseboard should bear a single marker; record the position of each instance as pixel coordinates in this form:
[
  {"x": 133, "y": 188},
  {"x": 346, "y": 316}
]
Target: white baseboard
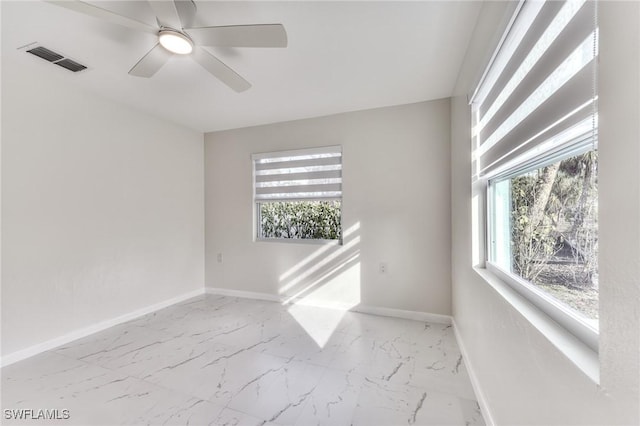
[
  {"x": 400, "y": 313},
  {"x": 365, "y": 309},
  {"x": 475, "y": 383},
  {"x": 86, "y": 331},
  {"x": 243, "y": 294}
]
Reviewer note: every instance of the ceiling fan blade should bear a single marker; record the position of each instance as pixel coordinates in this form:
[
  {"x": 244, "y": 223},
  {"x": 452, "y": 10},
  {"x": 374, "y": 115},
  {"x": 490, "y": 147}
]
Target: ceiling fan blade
[
  {"x": 261, "y": 35},
  {"x": 107, "y": 15},
  {"x": 187, "y": 11},
  {"x": 166, "y": 13},
  {"x": 222, "y": 72},
  {"x": 151, "y": 62}
]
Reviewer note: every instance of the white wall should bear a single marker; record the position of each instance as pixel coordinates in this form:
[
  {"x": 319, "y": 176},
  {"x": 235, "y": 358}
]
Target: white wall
[
  {"x": 102, "y": 208},
  {"x": 395, "y": 197},
  {"x": 523, "y": 378}
]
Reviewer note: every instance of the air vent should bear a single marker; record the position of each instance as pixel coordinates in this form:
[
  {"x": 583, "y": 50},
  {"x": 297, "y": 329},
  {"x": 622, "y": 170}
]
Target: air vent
[
  {"x": 55, "y": 58},
  {"x": 44, "y": 53},
  {"x": 71, "y": 65}
]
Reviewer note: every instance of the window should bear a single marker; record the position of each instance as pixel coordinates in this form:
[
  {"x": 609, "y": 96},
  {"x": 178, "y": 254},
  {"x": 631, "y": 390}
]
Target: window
[
  {"x": 535, "y": 151},
  {"x": 544, "y": 230},
  {"x": 298, "y": 194}
]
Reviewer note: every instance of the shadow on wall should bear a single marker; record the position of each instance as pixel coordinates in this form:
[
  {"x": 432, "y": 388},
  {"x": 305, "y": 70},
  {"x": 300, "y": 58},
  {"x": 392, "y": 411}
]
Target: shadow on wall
[{"x": 327, "y": 278}]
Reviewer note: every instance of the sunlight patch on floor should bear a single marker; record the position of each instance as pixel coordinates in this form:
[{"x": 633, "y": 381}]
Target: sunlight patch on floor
[{"x": 320, "y": 311}]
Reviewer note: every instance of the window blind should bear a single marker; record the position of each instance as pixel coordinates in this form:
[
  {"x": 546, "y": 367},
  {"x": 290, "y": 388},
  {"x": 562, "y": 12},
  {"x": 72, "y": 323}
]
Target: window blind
[
  {"x": 308, "y": 174},
  {"x": 540, "y": 86}
]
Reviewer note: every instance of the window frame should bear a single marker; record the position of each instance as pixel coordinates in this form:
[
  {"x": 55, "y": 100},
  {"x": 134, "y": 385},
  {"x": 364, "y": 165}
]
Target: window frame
[
  {"x": 257, "y": 228},
  {"x": 584, "y": 329}
]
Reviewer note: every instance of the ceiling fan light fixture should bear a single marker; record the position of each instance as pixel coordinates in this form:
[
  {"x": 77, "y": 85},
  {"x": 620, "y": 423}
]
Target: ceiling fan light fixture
[{"x": 175, "y": 42}]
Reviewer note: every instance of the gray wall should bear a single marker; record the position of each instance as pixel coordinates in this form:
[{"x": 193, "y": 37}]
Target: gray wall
[
  {"x": 396, "y": 202},
  {"x": 102, "y": 209}
]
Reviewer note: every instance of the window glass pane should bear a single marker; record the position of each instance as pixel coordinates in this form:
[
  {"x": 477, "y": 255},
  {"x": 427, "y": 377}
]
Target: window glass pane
[
  {"x": 501, "y": 224},
  {"x": 317, "y": 220},
  {"x": 553, "y": 230}
]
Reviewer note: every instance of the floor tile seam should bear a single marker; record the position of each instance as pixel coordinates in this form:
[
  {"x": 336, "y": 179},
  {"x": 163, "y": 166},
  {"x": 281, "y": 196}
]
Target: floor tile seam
[
  {"x": 439, "y": 390},
  {"x": 345, "y": 372},
  {"x": 58, "y": 349},
  {"x": 431, "y": 390},
  {"x": 315, "y": 364},
  {"x": 334, "y": 357},
  {"x": 306, "y": 399},
  {"x": 140, "y": 379},
  {"x": 167, "y": 336},
  {"x": 126, "y": 376},
  {"x": 186, "y": 394},
  {"x": 216, "y": 403},
  {"x": 196, "y": 341},
  {"x": 381, "y": 381},
  {"x": 330, "y": 355},
  {"x": 373, "y": 378},
  {"x": 160, "y": 385},
  {"x": 98, "y": 363},
  {"x": 85, "y": 362},
  {"x": 406, "y": 338},
  {"x": 300, "y": 410},
  {"x": 174, "y": 390},
  {"x": 397, "y": 410},
  {"x": 264, "y": 420}
]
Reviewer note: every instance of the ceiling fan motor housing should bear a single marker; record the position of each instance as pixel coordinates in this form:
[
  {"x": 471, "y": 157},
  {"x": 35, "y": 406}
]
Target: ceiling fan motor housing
[{"x": 175, "y": 41}]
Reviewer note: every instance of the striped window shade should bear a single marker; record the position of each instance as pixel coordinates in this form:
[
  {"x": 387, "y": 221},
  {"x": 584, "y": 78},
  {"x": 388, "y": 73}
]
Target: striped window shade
[
  {"x": 307, "y": 174},
  {"x": 539, "y": 92}
]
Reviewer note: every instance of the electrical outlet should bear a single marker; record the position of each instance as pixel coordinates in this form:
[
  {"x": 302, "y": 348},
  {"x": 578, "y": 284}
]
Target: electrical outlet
[
  {"x": 219, "y": 257},
  {"x": 382, "y": 267}
]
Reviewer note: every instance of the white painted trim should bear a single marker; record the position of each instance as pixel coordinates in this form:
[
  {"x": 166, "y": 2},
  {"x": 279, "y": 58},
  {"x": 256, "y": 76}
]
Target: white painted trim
[
  {"x": 400, "y": 313},
  {"x": 243, "y": 294},
  {"x": 576, "y": 351},
  {"x": 365, "y": 309},
  {"x": 584, "y": 329},
  {"x": 475, "y": 383},
  {"x": 86, "y": 331}
]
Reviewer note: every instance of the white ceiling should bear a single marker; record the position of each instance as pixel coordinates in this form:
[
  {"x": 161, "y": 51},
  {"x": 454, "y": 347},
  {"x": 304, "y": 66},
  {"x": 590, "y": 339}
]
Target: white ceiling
[{"x": 342, "y": 56}]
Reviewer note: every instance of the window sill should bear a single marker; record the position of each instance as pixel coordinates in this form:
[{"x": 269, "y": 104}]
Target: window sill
[
  {"x": 581, "y": 355},
  {"x": 299, "y": 241}
]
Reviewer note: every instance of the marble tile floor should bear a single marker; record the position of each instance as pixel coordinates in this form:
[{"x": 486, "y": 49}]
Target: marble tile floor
[{"x": 216, "y": 360}]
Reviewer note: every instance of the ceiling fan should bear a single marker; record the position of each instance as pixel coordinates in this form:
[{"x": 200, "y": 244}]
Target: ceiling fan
[{"x": 176, "y": 36}]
